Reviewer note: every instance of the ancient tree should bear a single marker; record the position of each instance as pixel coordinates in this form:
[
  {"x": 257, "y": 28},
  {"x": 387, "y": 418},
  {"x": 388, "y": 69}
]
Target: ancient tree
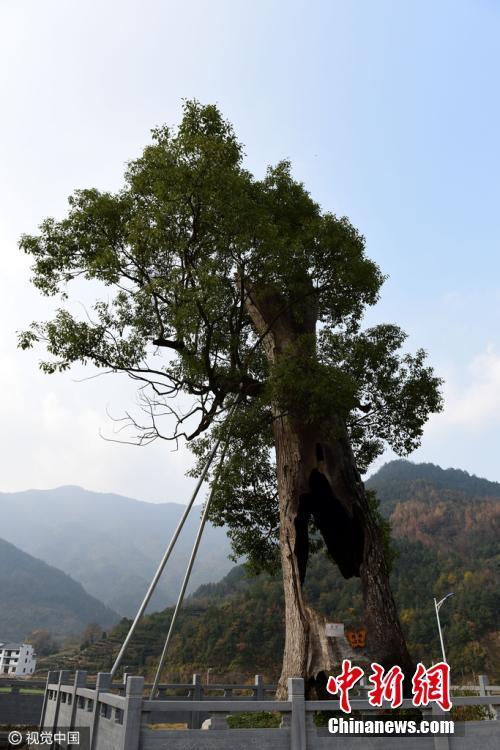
[{"x": 218, "y": 286}]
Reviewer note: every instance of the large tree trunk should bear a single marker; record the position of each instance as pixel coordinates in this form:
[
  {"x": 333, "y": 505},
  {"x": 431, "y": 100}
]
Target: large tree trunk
[
  {"x": 300, "y": 451},
  {"x": 307, "y": 651}
]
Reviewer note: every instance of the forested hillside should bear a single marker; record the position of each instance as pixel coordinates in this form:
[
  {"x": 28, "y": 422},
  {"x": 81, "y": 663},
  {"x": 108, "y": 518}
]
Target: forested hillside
[
  {"x": 445, "y": 539},
  {"x": 398, "y": 481},
  {"x": 36, "y": 596}
]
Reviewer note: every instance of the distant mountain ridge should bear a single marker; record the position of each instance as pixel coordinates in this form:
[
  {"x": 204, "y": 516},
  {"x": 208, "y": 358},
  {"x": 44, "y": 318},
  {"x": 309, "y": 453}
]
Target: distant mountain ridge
[
  {"x": 34, "y": 596},
  {"x": 402, "y": 480},
  {"x": 112, "y": 544},
  {"x": 445, "y": 539},
  {"x": 402, "y": 470}
]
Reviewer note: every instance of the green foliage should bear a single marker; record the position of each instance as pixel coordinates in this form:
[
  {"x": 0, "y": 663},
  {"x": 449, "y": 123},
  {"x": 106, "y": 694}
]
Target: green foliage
[
  {"x": 474, "y": 657},
  {"x": 245, "y": 497},
  {"x": 384, "y": 527},
  {"x": 470, "y": 713},
  {"x": 310, "y": 389},
  {"x": 254, "y": 720},
  {"x": 398, "y": 390},
  {"x": 43, "y": 642},
  {"x": 174, "y": 256}
]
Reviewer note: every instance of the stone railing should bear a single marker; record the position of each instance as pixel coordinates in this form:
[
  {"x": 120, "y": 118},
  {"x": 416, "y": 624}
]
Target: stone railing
[{"x": 124, "y": 722}]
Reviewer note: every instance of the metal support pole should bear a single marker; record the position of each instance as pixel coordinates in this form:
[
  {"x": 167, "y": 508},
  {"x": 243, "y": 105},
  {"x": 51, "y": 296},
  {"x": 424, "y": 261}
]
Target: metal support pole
[
  {"x": 181, "y": 595},
  {"x": 187, "y": 575},
  {"x": 167, "y": 554}
]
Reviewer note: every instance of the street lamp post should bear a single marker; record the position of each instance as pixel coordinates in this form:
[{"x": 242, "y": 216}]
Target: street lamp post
[
  {"x": 208, "y": 674},
  {"x": 438, "y": 605}
]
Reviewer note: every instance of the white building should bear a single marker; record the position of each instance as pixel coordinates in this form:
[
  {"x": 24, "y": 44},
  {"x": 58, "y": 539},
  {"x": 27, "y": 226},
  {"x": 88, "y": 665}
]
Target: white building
[{"x": 16, "y": 659}]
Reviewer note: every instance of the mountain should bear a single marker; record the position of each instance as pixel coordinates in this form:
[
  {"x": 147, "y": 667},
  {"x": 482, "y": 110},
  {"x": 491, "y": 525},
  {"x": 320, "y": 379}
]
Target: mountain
[
  {"x": 449, "y": 511},
  {"x": 402, "y": 480},
  {"x": 34, "y": 595},
  {"x": 446, "y": 538},
  {"x": 112, "y": 544}
]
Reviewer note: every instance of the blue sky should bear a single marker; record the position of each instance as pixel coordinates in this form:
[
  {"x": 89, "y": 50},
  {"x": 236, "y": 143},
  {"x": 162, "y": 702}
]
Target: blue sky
[{"x": 389, "y": 112}]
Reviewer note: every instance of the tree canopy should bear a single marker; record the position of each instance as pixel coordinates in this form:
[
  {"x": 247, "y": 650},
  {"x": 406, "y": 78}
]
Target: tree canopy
[{"x": 177, "y": 252}]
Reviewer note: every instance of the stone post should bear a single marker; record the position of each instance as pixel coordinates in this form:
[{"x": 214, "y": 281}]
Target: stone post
[
  {"x": 79, "y": 682},
  {"x": 298, "y": 722},
  {"x": 123, "y": 688},
  {"x": 102, "y": 685},
  {"x": 51, "y": 678},
  {"x": 197, "y": 695},
  {"x": 259, "y": 687},
  {"x": 484, "y": 684},
  {"x": 132, "y": 714},
  {"x": 63, "y": 680},
  {"x": 440, "y": 743}
]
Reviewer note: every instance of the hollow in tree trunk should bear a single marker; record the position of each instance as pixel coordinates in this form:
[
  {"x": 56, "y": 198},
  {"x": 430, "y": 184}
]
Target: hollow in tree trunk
[{"x": 318, "y": 476}]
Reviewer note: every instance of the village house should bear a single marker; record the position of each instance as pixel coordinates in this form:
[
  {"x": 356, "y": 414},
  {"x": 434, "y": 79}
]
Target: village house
[{"x": 16, "y": 659}]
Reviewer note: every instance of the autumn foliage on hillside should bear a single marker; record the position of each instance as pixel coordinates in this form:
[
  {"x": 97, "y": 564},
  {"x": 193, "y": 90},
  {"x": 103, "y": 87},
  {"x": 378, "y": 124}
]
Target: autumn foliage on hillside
[{"x": 443, "y": 540}]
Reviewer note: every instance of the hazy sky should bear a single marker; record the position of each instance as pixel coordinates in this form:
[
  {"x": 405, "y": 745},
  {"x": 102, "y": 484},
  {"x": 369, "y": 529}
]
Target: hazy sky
[{"x": 390, "y": 114}]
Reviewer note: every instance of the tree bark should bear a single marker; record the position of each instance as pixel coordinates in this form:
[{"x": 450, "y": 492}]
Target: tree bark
[{"x": 308, "y": 652}]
